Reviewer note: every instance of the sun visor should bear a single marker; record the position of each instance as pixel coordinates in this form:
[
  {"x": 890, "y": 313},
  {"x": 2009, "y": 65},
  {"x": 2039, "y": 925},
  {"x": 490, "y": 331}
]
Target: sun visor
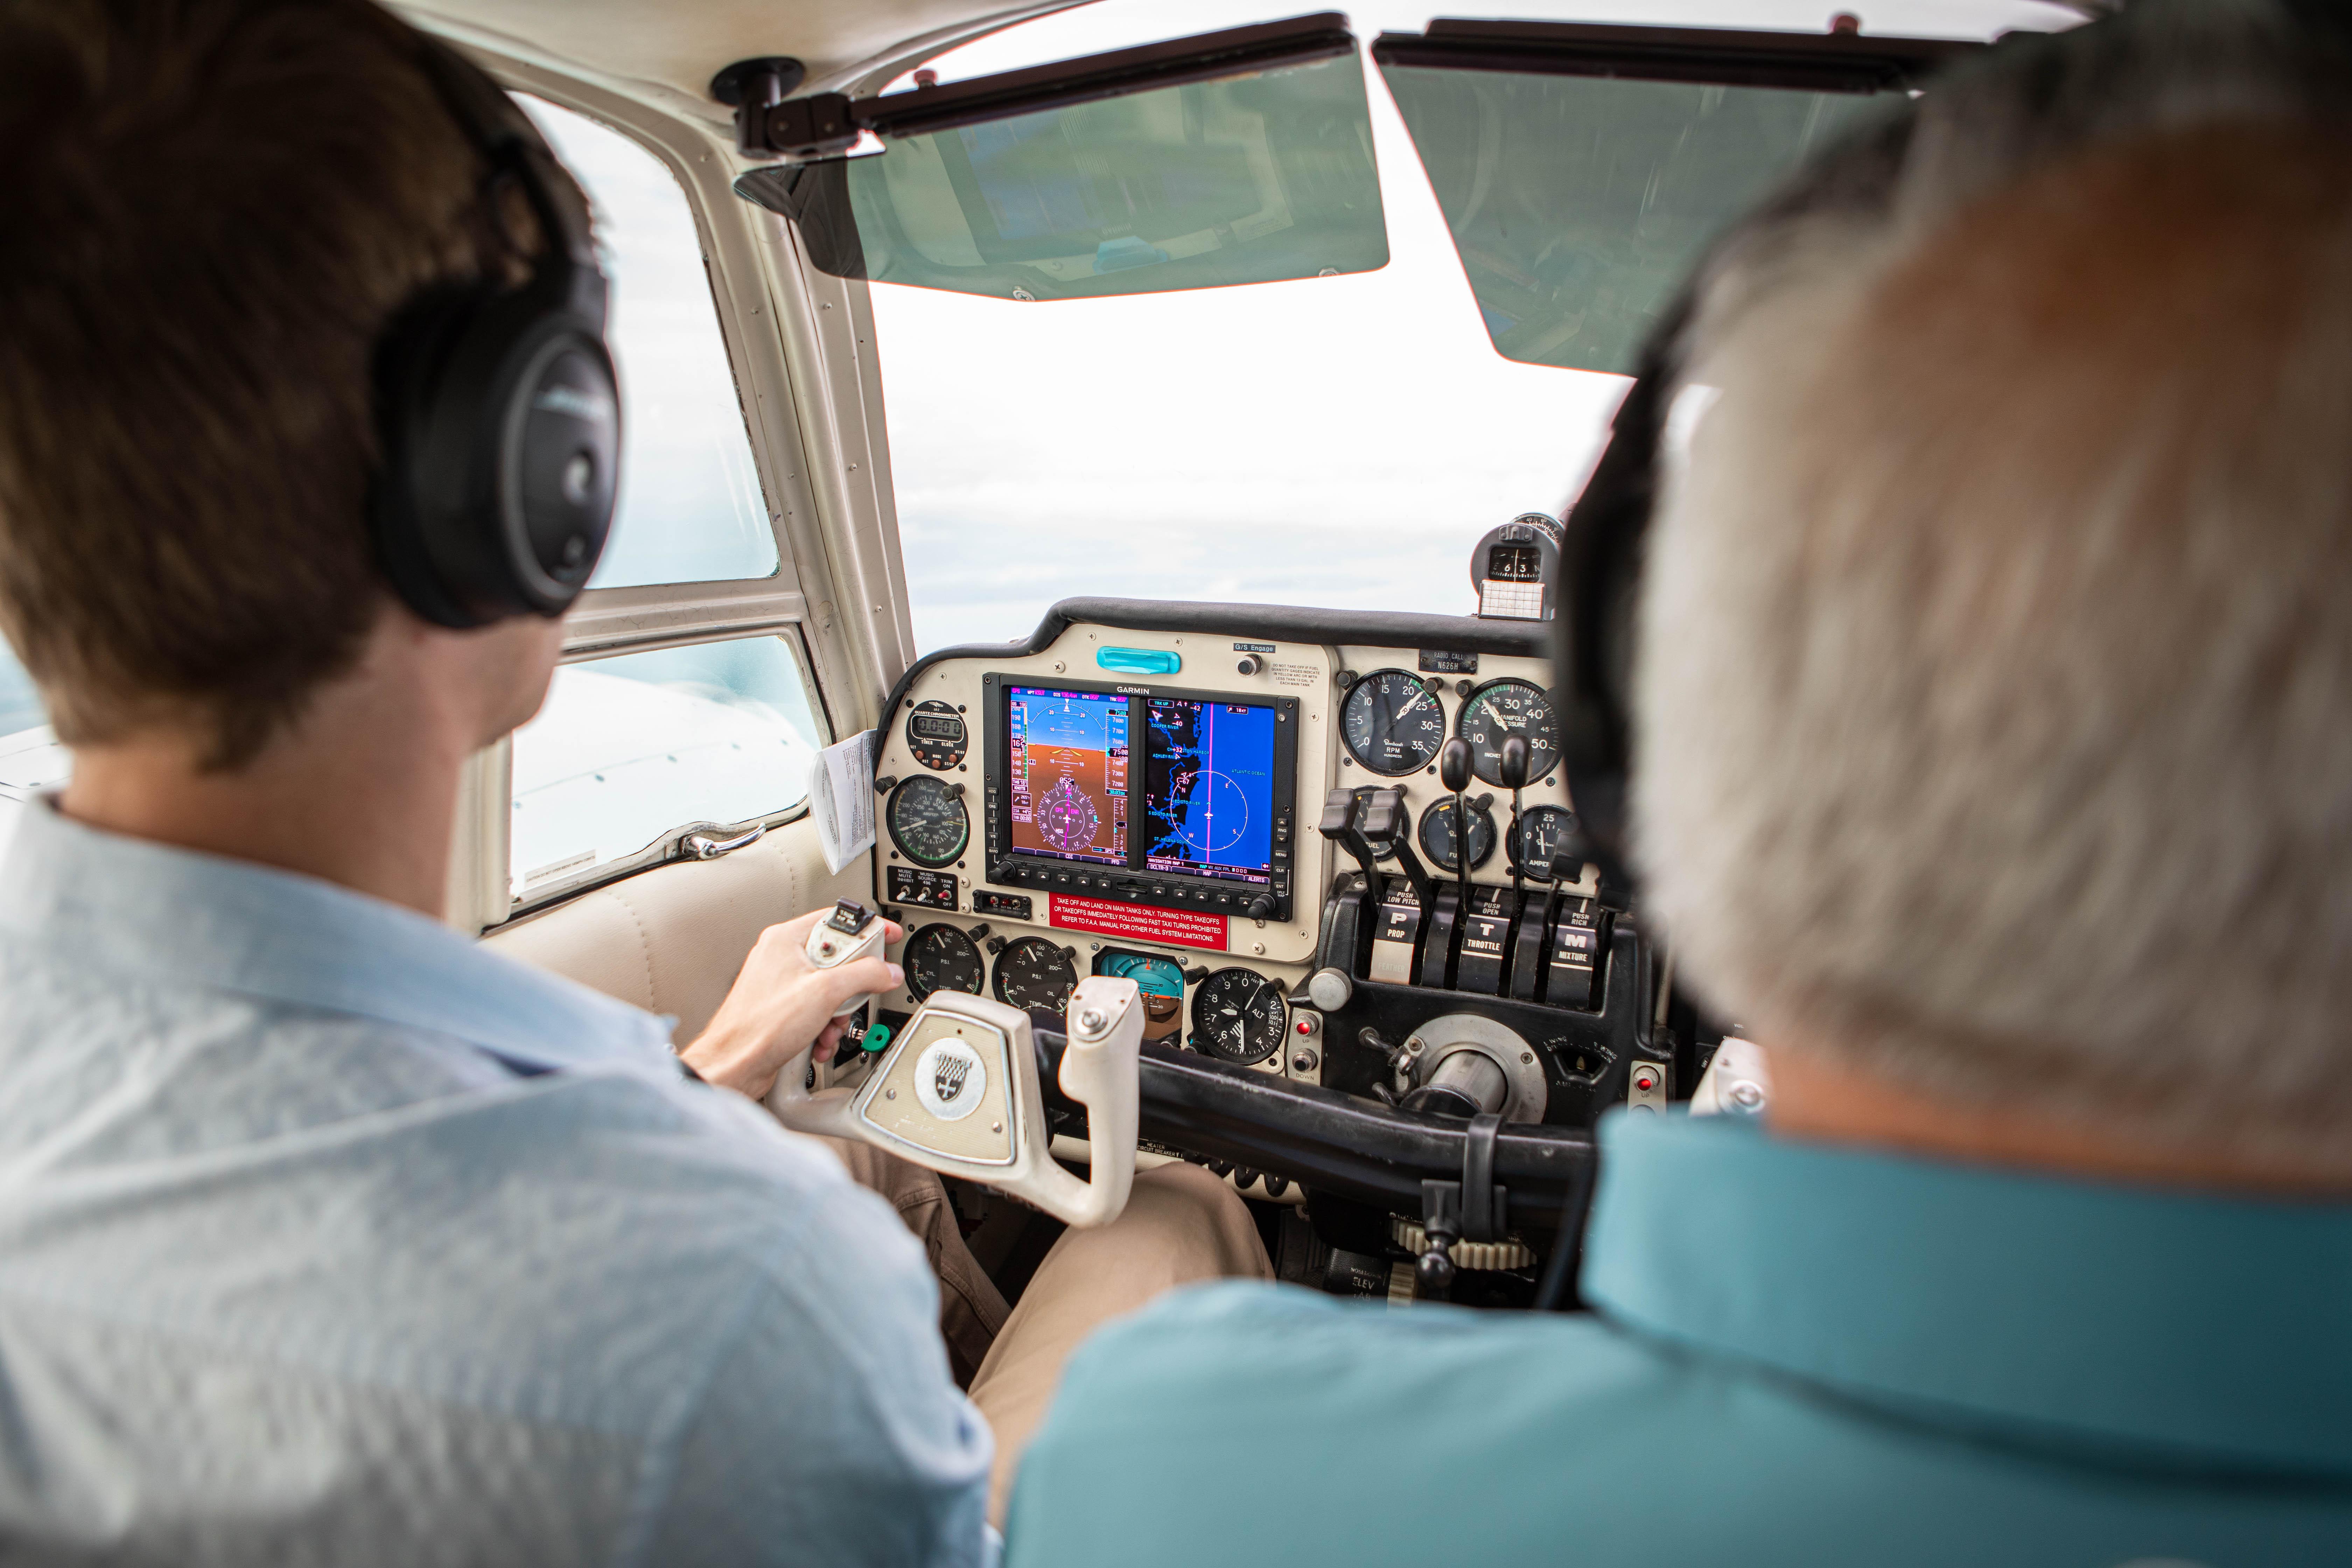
[
  {"x": 1242, "y": 156},
  {"x": 1583, "y": 170}
]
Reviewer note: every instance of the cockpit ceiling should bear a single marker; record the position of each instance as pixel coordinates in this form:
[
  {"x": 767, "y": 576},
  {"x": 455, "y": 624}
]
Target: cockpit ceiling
[{"x": 667, "y": 51}]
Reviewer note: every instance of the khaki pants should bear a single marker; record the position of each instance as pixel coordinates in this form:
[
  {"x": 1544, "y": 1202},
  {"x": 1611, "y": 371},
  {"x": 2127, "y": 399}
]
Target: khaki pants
[{"x": 1180, "y": 1224}]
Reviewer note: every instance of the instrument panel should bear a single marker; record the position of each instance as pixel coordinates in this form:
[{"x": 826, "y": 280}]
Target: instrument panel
[{"x": 1124, "y": 800}]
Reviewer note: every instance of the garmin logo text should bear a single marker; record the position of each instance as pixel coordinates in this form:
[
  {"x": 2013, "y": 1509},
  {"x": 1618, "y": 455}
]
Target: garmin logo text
[
  {"x": 572, "y": 401},
  {"x": 1136, "y": 690}
]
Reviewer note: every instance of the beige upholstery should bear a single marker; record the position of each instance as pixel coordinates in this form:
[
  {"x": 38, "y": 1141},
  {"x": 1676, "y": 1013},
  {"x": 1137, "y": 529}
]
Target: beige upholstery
[{"x": 671, "y": 940}]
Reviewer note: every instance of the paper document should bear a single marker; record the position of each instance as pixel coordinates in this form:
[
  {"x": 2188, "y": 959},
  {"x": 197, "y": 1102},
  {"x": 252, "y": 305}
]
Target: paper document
[{"x": 841, "y": 798}]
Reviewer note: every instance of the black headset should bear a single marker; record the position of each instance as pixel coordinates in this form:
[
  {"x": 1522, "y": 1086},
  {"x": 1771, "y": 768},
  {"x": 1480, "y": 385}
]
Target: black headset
[{"x": 498, "y": 409}]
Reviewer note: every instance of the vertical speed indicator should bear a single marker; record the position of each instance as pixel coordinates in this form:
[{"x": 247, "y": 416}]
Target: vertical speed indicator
[{"x": 1390, "y": 722}]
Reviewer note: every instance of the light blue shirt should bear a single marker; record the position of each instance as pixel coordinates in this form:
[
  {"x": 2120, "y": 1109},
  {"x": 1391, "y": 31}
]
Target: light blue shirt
[
  {"x": 327, "y": 1236},
  {"x": 1803, "y": 1358}
]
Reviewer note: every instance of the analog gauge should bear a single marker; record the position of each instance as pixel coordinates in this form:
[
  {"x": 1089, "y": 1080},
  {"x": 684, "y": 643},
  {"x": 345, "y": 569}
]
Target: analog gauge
[
  {"x": 1437, "y": 835},
  {"x": 1035, "y": 976},
  {"x": 1159, "y": 980},
  {"x": 1391, "y": 723},
  {"x": 1543, "y": 833},
  {"x": 1238, "y": 1016},
  {"x": 936, "y": 736},
  {"x": 942, "y": 958},
  {"x": 1503, "y": 707},
  {"x": 928, "y": 822}
]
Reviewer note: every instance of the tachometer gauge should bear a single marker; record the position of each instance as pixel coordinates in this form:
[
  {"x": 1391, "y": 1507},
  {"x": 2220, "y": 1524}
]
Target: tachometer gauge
[
  {"x": 942, "y": 958},
  {"x": 1159, "y": 980},
  {"x": 1238, "y": 1016},
  {"x": 928, "y": 822},
  {"x": 1543, "y": 829},
  {"x": 1503, "y": 707},
  {"x": 1035, "y": 976},
  {"x": 1390, "y": 722},
  {"x": 1437, "y": 838}
]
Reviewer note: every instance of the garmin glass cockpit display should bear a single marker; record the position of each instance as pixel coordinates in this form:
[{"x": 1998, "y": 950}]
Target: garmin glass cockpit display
[{"x": 1137, "y": 793}]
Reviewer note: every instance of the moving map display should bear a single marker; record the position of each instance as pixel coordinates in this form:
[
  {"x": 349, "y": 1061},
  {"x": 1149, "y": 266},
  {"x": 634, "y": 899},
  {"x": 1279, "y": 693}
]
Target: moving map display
[
  {"x": 1207, "y": 796},
  {"x": 1068, "y": 777}
]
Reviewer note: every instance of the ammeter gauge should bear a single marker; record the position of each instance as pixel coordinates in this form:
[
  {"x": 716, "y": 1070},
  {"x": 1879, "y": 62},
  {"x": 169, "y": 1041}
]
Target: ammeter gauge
[
  {"x": 1391, "y": 723},
  {"x": 940, "y": 957},
  {"x": 1505, "y": 708},
  {"x": 1238, "y": 1016},
  {"x": 1035, "y": 976},
  {"x": 1543, "y": 831},
  {"x": 928, "y": 822},
  {"x": 1437, "y": 836}
]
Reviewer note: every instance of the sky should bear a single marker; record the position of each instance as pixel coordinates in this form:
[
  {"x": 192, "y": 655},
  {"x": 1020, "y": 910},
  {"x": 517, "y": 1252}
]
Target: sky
[{"x": 1332, "y": 441}]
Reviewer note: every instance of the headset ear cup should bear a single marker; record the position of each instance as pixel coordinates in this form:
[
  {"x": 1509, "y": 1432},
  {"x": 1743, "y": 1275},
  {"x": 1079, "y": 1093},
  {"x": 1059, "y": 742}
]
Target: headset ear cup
[
  {"x": 511, "y": 433},
  {"x": 408, "y": 361}
]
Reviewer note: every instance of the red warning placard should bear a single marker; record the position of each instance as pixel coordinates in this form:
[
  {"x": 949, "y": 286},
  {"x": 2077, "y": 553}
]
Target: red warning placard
[{"x": 1140, "y": 923}]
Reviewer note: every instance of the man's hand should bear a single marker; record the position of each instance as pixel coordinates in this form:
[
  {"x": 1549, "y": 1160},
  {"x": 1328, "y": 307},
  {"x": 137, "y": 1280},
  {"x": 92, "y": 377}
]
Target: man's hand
[{"x": 780, "y": 1003}]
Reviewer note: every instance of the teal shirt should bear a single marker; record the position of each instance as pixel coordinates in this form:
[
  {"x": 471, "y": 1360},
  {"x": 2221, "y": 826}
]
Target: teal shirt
[{"x": 1800, "y": 1355}]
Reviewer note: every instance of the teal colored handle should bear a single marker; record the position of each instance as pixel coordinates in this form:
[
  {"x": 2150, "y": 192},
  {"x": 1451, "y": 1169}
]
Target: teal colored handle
[{"x": 1140, "y": 660}]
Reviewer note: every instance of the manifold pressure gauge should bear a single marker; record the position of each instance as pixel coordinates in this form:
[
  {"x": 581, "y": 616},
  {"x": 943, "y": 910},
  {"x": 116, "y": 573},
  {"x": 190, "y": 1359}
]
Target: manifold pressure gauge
[
  {"x": 1391, "y": 723},
  {"x": 1499, "y": 710},
  {"x": 928, "y": 822},
  {"x": 1238, "y": 1016}
]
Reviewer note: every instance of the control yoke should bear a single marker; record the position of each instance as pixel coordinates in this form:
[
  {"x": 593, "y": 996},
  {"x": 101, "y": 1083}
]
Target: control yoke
[{"x": 958, "y": 1091}]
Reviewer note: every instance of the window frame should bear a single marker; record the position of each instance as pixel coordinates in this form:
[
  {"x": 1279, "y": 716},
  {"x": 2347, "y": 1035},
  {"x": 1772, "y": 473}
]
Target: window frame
[{"x": 805, "y": 387}]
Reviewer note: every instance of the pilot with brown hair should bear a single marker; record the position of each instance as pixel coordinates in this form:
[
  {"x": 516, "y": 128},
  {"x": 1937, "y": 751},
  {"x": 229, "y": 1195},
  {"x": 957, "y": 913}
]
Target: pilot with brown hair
[
  {"x": 1992, "y": 765},
  {"x": 327, "y": 1236}
]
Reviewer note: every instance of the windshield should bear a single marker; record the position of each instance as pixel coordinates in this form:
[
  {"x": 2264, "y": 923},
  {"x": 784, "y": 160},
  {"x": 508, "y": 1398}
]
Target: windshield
[{"x": 1339, "y": 441}]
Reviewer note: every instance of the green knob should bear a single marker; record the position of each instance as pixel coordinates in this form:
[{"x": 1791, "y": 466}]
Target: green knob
[{"x": 877, "y": 1037}]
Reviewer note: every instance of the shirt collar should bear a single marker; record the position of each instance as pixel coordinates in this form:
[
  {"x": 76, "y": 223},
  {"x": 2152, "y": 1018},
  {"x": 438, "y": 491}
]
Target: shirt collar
[
  {"x": 154, "y": 911},
  {"x": 2169, "y": 1324}
]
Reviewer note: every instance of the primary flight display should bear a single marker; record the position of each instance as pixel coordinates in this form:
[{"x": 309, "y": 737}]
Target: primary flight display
[{"x": 1067, "y": 773}]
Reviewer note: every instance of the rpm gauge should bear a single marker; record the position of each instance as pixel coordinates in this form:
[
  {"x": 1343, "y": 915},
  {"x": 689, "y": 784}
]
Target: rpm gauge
[
  {"x": 1438, "y": 839},
  {"x": 940, "y": 958},
  {"x": 928, "y": 821},
  {"x": 1390, "y": 722},
  {"x": 1542, "y": 833},
  {"x": 1035, "y": 976},
  {"x": 1238, "y": 1016},
  {"x": 1504, "y": 707}
]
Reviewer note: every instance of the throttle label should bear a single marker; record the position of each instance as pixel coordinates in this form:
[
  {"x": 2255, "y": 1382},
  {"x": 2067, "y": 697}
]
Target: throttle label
[{"x": 1140, "y": 923}]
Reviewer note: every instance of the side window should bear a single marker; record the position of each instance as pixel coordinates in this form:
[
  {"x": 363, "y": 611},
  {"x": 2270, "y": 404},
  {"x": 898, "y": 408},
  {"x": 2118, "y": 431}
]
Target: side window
[
  {"x": 691, "y": 506},
  {"x": 632, "y": 747}
]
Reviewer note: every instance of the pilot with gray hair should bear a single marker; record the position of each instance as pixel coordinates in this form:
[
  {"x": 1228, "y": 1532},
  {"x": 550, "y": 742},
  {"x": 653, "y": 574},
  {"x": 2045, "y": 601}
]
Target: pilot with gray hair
[{"x": 1990, "y": 714}]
